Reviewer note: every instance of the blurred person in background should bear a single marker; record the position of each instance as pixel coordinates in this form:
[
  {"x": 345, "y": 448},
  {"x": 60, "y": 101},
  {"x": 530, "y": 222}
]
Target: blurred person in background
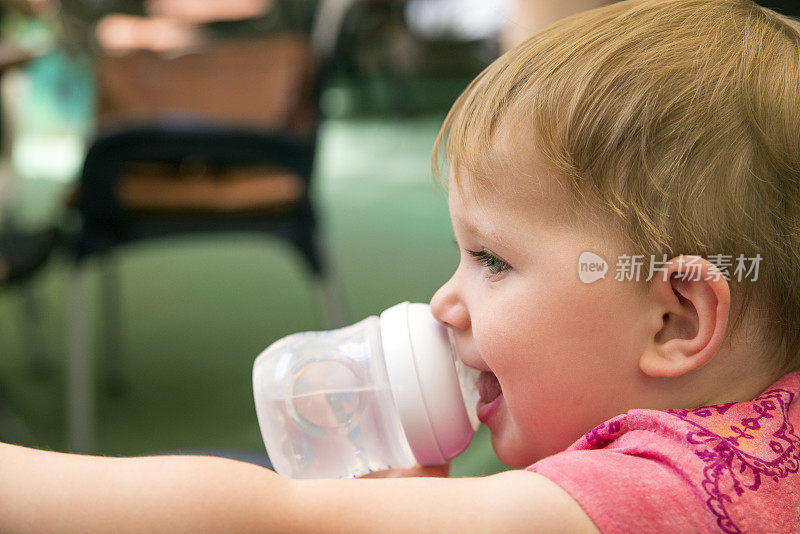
[
  {"x": 528, "y": 17},
  {"x": 172, "y": 26}
]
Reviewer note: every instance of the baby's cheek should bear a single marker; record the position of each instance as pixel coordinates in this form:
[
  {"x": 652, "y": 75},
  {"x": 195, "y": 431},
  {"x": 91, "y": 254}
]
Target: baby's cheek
[{"x": 500, "y": 346}]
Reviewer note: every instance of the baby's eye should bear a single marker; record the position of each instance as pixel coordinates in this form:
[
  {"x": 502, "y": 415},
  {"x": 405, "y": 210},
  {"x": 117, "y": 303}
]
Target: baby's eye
[{"x": 492, "y": 262}]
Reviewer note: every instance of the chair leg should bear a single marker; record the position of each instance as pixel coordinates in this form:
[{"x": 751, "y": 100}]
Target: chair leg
[
  {"x": 328, "y": 24},
  {"x": 13, "y": 429},
  {"x": 329, "y": 291},
  {"x": 31, "y": 331},
  {"x": 79, "y": 372},
  {"x": 110, "y": 302}
]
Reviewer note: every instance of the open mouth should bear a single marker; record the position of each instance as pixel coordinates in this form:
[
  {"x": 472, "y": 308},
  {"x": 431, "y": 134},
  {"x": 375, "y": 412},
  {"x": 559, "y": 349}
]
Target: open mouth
[
  {"x": 491, "y": 395},
  {"x": 488, "y": 387}
]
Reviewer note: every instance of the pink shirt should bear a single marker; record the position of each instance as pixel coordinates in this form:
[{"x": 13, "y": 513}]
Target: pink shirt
[{"x": 724, "y": 468}]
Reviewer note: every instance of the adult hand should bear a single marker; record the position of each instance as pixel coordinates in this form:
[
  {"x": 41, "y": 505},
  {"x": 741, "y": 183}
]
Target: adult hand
[
  {"x": 123, "y": 33},
  {"x": 192, "y": 12}
]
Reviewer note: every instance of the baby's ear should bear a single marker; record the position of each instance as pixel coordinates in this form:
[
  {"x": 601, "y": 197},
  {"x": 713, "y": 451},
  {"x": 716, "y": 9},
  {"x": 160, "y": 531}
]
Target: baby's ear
[{"x": 692, "y": 300}]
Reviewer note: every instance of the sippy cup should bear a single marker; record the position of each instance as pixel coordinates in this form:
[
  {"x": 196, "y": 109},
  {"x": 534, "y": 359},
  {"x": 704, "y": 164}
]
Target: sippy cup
[{"x": 383, "y": 393}]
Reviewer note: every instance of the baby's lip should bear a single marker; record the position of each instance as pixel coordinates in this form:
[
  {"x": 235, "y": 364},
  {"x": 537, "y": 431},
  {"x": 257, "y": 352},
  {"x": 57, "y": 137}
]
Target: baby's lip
[
  {"x": 470, "y": 357},
  {"x": 491, "y": 397},
  {"x": 475, "y": 363}
]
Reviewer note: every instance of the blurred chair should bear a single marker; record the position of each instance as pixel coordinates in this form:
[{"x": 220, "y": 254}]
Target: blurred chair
[
  {"x": 221, "y": 140},
  {"x": 22, "y": 254}
]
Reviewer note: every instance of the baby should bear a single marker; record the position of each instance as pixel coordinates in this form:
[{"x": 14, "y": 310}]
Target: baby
[{"x": 625, "y": 191}]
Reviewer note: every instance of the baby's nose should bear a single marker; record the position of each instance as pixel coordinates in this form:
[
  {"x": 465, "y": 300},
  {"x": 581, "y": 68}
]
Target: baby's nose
[{"x": 448, "y": 308}]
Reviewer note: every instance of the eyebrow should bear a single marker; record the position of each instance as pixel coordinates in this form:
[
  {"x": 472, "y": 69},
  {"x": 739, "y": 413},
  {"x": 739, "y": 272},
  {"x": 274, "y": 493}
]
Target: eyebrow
[{"x": 474, "y": 230}]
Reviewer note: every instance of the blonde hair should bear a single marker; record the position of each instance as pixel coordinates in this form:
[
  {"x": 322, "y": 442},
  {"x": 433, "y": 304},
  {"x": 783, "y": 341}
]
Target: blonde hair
[{"x": 679, "y": 119}]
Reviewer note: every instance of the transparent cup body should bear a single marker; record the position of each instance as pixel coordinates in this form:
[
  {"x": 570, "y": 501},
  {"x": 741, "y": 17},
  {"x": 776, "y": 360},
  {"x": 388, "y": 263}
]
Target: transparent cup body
[{"x": 325, "y": 404}]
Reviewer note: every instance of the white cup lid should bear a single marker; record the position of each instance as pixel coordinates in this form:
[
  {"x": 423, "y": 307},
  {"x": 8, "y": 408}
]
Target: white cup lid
[{"x": 423, "y": 372}]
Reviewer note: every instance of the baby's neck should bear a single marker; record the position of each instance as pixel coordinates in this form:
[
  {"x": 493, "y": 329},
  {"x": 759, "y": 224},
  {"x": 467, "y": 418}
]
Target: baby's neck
[
  {"x": 734, "y": 376},
  {"x": 728, "y": 377}
]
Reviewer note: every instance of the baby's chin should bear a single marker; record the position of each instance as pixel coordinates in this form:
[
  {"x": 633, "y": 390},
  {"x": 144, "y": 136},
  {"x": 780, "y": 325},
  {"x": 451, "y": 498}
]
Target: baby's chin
[
  {"x": 519, "y": 449},
  {"x": 514, "y": 451}
]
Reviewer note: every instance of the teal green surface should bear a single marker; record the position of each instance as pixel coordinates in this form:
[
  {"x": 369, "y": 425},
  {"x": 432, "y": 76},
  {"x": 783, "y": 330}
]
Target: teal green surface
[{"x": 196, "y": 311}]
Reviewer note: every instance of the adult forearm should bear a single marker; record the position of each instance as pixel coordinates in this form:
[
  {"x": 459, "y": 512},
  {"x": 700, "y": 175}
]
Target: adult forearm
[{"x": 51, "y": 492}]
